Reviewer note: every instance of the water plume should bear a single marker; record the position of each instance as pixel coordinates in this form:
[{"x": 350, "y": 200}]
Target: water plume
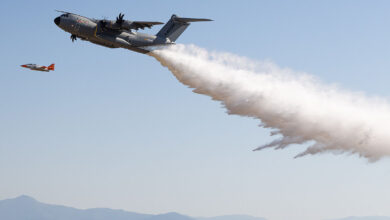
[{"x": 299, "y": 108}]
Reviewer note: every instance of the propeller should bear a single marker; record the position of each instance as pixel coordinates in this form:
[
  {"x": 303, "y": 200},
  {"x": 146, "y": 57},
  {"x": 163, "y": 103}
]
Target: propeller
[
  {"x": 119, "y": 19},
  {"x": 103, "y": 24},
  {"x": 73, "y": 37}
]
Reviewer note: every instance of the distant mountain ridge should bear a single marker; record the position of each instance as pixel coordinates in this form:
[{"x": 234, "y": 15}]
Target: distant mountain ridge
[
  {"x": 366, "y": 218},
  {"x": 27, "y": 208},
  {"x": 231, "y": 217}
]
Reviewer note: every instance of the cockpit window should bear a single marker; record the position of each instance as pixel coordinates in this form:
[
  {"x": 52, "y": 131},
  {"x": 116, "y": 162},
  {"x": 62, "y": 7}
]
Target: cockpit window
[{"x": 65, "y": 15}]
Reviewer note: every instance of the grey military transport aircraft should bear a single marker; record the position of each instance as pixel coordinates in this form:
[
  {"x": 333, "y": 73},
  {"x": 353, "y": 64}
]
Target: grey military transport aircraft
[
  {"x": 38, "y": 67},
  {"x": 122, "y": 33}
]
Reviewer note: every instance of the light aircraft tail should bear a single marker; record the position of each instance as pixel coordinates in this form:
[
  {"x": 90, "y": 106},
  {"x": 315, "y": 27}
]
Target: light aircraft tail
[
  {"x": 176, "y": 26},
  {"x": 51, "y": 67}
]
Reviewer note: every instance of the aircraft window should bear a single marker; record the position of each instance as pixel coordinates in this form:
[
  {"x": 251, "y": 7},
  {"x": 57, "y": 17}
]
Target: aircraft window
[{"x": 64, "y": 15}]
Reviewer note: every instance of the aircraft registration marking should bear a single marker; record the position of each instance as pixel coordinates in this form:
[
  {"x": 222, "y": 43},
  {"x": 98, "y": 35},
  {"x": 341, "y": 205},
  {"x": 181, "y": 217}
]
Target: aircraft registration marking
[{"x": 81, "y": 21}]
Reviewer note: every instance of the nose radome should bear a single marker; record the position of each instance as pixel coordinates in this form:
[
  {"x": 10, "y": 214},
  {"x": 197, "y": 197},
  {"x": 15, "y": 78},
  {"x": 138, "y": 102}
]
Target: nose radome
[{"x": 57, "y": 20}]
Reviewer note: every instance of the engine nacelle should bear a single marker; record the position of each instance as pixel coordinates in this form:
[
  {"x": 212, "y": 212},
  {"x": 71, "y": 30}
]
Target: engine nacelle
[{"x": 125, "y": 25}]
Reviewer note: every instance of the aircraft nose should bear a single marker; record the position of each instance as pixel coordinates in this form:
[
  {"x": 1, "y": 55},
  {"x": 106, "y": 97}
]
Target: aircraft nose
[{"x": 57, "y": 20}]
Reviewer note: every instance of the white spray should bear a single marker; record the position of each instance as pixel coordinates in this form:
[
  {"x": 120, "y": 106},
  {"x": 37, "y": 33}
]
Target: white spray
[{"x": 296, "y": 105}]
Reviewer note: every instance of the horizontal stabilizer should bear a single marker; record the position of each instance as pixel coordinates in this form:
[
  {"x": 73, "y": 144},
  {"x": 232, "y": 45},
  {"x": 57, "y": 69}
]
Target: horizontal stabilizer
[
  {"x": 189, "y": 19},
  {"x": 176, "y": 26}
]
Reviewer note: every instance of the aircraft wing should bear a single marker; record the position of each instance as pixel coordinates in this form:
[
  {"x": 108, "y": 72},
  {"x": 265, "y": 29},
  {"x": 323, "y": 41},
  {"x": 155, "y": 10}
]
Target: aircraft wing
[{"x": 143, "y": 24}]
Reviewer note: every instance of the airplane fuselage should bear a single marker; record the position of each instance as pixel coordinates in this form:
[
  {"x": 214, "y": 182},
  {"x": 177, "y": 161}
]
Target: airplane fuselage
[
  {"x": 93, "y": 30},
  {"x": 38, "y": 67}
]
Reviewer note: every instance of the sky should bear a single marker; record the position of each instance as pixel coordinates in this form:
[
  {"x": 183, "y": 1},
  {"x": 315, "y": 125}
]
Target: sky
[{"x": 113, "y": 128}]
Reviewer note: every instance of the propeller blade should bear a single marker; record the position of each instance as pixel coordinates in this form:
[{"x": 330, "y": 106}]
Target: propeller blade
[
  {"x": 103, "y": 24},
  {"x": 119, "y": 19}
]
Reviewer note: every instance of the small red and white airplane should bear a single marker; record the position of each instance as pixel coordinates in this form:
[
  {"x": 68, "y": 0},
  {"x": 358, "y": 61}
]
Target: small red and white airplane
[{"x": 38, "y": 68}]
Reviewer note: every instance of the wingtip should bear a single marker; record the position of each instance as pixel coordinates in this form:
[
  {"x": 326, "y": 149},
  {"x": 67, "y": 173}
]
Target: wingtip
[{"x": 204, "y": 19}]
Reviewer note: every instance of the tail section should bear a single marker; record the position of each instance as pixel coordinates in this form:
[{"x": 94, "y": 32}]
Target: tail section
[
  {"x": 51, "y": 67},
  {"x": 176, "y": 26}
]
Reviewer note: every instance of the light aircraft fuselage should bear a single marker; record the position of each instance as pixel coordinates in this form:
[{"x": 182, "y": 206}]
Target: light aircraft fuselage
[{"x": 38, "y": 67}]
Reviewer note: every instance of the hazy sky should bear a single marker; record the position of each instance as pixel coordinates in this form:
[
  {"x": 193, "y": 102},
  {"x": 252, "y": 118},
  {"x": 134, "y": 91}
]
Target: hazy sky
[{"x": 113, "y": 128}]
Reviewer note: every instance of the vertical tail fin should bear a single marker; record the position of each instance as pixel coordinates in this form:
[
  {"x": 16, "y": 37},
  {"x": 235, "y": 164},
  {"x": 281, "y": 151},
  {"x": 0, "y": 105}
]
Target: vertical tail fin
[
  {"x": 51, "y": 67},
  {"x": 176, "y": 26}
]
